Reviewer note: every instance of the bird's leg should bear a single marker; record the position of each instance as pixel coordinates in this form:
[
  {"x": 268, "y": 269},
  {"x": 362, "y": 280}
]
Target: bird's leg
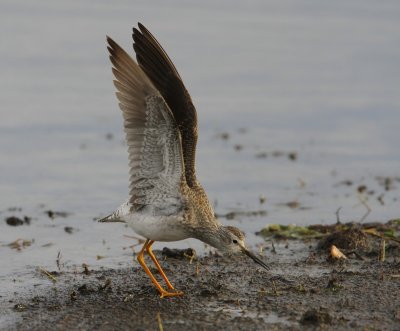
[
  {"x": 140, "y": 259},
  {"x": 160, "y": 270}
]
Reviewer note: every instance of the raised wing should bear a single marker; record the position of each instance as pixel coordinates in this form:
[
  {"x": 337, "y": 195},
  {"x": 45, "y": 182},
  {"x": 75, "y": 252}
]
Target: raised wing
[
  {"x": 152, "y": 136},
  {"x": 159, "y": 68}
]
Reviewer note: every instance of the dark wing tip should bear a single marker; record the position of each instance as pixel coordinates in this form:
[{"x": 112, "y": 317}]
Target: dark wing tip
[
  {"x": 109, "y": 40},
  {"x": 135, "y": 32},
  {"x": 112, "y": 44},
  {"x": 141, "y": 27}
]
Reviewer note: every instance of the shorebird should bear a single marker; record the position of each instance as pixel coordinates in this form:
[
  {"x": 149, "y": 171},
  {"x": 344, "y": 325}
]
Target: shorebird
[{"x": 166, "y": 201}]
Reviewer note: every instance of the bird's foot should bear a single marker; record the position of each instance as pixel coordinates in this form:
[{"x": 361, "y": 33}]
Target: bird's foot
[{"x": 164, "y": 293}]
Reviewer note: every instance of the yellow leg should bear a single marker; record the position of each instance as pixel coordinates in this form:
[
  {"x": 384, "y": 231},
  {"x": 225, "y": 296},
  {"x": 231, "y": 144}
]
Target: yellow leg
[
  {"x": 160, "y": 270},
  {"x": 140, "y": 259}
]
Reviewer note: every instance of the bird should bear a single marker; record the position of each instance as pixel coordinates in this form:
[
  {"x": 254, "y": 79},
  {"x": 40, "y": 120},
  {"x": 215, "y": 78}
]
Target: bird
[{"x": 166, "y": 201}]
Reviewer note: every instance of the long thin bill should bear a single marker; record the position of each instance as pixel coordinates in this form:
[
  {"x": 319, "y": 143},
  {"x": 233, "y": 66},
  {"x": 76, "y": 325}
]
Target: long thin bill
[{"x": 255, "y": 258}]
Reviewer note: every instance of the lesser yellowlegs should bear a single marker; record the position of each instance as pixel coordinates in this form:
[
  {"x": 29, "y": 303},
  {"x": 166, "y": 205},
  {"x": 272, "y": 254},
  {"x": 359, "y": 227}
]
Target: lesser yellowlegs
[{"x": 166, "y": 201}]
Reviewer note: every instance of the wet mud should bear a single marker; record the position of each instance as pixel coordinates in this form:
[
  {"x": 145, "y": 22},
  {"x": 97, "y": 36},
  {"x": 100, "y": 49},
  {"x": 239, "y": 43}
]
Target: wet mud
[{"x": 303, "y": 290}]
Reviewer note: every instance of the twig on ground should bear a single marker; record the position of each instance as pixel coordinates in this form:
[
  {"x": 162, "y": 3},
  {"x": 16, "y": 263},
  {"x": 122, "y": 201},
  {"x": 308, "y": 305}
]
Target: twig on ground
[
  {"x": 160, "y": 326},
  {"x": 373, "y": 233},
  {"x": 274, "y": 288},
  {"x": 337, "y": 215},
  {"x": 364, "y": 203},
  {"x": 58, "y": 260},
  {"x": 382, "y": 248},
  {"x": 48, "y": 274},
  {"x": 356, "y": 254},
  {"x": 273, "y": 247}
]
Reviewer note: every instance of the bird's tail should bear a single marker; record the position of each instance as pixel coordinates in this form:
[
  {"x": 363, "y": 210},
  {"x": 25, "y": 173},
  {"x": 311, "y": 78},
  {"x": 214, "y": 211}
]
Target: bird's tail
[{"x": 111, "y": 218}]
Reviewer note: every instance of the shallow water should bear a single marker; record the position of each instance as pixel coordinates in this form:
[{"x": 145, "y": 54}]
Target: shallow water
[{"x": 317, "y": 79}]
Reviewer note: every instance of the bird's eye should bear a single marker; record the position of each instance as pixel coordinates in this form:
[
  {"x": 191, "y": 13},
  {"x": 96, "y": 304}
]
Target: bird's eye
[{"x": 234, "y": 241}]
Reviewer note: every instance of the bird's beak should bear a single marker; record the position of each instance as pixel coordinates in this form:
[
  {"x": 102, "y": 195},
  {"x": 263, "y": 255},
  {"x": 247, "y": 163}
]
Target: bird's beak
[{"x": 255, "y": 258}]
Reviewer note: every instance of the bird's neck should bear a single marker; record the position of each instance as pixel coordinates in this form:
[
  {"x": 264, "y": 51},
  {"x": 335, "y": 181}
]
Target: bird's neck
[{"x": 214, "y": 236}]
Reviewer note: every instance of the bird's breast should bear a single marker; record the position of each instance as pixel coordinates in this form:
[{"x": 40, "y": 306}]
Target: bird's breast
[{"x": 159, "y": 228}]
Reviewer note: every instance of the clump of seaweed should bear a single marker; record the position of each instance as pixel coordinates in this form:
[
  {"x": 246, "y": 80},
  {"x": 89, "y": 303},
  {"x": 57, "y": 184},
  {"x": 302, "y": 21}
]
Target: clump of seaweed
[
  {"x": 284, "y": 232},
  {"x": 351, "y": 237}
]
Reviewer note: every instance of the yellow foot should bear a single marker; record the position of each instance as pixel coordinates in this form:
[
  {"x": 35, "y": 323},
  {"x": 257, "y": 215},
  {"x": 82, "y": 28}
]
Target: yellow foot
[{"x": 170, "y": 294}]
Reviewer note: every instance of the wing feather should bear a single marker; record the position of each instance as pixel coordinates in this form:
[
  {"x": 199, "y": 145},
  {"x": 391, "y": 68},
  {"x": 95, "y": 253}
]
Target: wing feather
[
  {"x": 161, "y": 71},
  {"x": 152, "y": 135}
]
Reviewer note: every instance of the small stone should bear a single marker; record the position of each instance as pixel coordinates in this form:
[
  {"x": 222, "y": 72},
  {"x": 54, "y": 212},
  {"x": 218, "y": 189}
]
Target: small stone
[
  {"x": 20, "y": 307},
  {"x": 316, "y": 317}
]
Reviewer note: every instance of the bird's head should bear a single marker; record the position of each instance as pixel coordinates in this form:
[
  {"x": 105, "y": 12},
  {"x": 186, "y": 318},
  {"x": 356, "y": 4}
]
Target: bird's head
[{"x": 230, "y": 240}]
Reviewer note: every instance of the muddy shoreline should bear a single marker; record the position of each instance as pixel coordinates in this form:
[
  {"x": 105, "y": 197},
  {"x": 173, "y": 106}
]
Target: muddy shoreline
[{"x": 303, "y": 290}]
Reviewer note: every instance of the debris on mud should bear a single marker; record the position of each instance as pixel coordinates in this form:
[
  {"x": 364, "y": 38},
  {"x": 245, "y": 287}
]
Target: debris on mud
[
  {"x": 85, "y": 290},
  {"x": 86, "y": 270},
  {"x": 346, "y": 182},
  {"x": 292, "y": 156},
  {"x": 368, "y": 239},
  {"x": 316, "y": 317},
  {"x": 238, "y": 147},
  {"x": 292, "y": 204},
  {"x": 52, "y": 275},
  {"x": 336, "y": 254},
  {"x": 16, "y": 221},
  {"x": 224, "y": 135},
  {"x": 352, "y": 238},
  {"x": 20, "y": 307},
  {"x": 106, "y": 285},
  {"x": 14, "y": 209},
  {"x": 261, "y": 155},
  {"x": 53, "y": 214},
  {"x": 235, "y": 214},
  {"x": 188, "y": 253},
  {"x": 277, "y": 231},
  {"x": 362, "y": 188},
  {"x": 69, "y": 229},
  {"x": 20, "y": 244},
  {"x": 388, "y": 182},
  {"x": 277, "y": 154}
]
